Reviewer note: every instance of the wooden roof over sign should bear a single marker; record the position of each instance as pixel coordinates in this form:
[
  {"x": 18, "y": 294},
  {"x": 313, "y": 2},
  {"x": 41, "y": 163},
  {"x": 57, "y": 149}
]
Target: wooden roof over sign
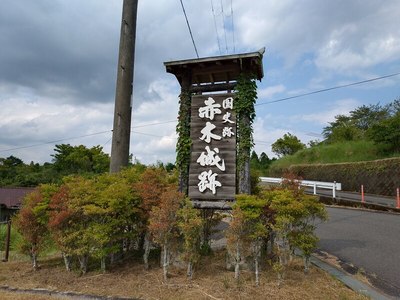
[{"x": 218, "y": 69}]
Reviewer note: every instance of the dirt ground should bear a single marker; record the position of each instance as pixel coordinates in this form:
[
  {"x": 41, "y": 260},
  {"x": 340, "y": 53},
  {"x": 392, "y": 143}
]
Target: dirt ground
[{"x": 211, "y": 281}]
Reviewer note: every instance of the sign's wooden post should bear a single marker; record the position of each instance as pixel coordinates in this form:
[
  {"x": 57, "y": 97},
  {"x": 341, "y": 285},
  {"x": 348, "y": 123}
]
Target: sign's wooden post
[
  {"x": 244, "y": 170},
  {"x": 208, "y": 165},
  {"x": 184, "y": 116}
]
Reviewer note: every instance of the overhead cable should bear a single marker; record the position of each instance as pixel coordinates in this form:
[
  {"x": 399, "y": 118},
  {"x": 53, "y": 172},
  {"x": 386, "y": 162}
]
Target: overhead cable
[
  {"x": 56, "y": 141},
  {"x": 190, "y": 30},
  {"x": 233, "y": 28},
  {"x": 329, "y": 89},
  {"x": 216, "y": 28},
  {"x": 83, "y": 136},
  {"x": 223, "y": 23}
]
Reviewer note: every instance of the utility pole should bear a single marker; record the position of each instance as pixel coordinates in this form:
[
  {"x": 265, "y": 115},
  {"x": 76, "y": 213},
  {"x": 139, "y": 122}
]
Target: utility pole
[
  {"x": 123, "y": 94},
  {"x": 8, "y": 237}
]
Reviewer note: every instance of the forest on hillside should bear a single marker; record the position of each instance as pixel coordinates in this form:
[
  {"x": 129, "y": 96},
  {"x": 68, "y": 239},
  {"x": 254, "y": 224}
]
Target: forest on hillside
[{"x": 366, "y": 133}]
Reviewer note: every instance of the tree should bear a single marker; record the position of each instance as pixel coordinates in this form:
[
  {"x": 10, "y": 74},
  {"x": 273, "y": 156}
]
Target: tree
[
  {"x": 287, "y": 145},
  {"x": 342, "y": 129},
  {"x": 387, "y": 134},
  {"x": 252, "y": 209},
  {"x": 190, "y": 226},
  {"x": 78, "y": 238},
  {"x": 264, "y": 161},
  {"x": 254, "y": 161},
  {"x": 237, "y": 238},
  {"x": 356, "y": 125},
  {"x": 61, "y": 217},
  {"x": 285, "y": 211},
  {"x": 91, "y": 217},
  {"x": 169, "y": 167},
  {"x": 258, "y": 165},
  {"x": 31, "y": 221},
  {"x": 375, "y": 122},
  {"x": 313, "y": 143},
  {"x": 150, "y": 187},
  {"x": 116, "y": 213},
  {"x": 9, "y": 169},
  {"x": 294, "y": 223},
  {"x": 395, "y": 107},
  {"x": 14, "y": 172},
  {"x": 364, "y": 117},
  {"x": 163, "y": 223},
  {"x": 11, "y": 161},
  {"x": 80, "y": 159}
]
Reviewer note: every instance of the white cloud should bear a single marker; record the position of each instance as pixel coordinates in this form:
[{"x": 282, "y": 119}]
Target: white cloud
[
  {"x": 150, "y": 149},
  {"x": 265, "y": 134},
  {"x": 341, "y": 35},
  {"x": 269, "y": 92},
  {"x": 336, "y": 56},
  {"x": 26, "y": 123},
  {"x": 157, "y": 142},
  {"x": 340, "y": 107}
]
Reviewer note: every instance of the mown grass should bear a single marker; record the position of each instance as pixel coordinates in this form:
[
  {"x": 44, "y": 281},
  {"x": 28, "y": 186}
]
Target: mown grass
[{"x": 352, "y": 151}]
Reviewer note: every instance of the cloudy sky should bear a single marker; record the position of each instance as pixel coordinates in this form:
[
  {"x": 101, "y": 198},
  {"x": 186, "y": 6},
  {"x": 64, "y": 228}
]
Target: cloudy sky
[{"x": 58, "y": 63}]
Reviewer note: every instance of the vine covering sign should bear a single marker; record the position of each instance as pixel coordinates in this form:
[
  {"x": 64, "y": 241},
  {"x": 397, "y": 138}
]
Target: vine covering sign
[{"x": 212, "y": 171}]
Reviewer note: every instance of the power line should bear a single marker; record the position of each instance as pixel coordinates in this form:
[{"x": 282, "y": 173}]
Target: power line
[
  {"x": 223, "y": 23},
  {"x": 190, "y": 30},
  {"x": 312, "y": 134},
  {"x": 109, "y": 140},
  {"x": 86, "y": 135},
  {"x": 153, "y": 124},
  {"x": 233, "y": 28},
  {"x": 153, "y": 135},
  {"x": 262, "y": 143},
  {"x": 329, "y": 89},
  {"x": 56, "y": 141},
  {"x": 215, "y": 25}
]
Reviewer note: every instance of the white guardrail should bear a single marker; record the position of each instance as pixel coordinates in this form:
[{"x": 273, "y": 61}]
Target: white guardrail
[{"x": 334, "y": 186}]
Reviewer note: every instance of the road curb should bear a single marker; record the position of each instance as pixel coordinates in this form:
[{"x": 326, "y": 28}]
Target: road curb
[
  {"x": 349, "y": 280},
  {"x": 389, "y": 212},
  {"x": 368, "y": 205}
]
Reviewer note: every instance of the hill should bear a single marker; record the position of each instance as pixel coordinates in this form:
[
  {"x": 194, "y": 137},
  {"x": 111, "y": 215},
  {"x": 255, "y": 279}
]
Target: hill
[{"x": 350, "y": 151}]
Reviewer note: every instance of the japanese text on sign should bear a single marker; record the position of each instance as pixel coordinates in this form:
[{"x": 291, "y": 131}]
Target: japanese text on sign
[{"x": 208, "y": 180}]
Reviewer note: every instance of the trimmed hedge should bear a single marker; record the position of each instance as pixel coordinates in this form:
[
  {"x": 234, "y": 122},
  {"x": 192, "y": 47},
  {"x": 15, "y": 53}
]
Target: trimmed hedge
[{"x": 380, "y": 177}]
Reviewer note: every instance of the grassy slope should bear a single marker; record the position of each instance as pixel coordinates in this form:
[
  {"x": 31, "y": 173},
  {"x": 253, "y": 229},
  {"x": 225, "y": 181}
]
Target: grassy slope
[{"x": 335, "y": 153}]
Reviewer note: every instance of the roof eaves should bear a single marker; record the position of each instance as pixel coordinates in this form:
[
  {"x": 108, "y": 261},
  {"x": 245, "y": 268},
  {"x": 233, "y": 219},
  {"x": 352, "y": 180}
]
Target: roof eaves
[{"x": 259, "y": 54}]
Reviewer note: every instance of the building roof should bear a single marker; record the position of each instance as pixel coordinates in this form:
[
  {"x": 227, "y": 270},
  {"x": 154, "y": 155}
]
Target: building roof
[
  {"x": 216, "y": 69},
  {"x": 12, "y": 197}
]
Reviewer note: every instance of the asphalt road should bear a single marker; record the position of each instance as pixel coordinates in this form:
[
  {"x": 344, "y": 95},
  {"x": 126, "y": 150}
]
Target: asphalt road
[{"x": 368, "y": 240}]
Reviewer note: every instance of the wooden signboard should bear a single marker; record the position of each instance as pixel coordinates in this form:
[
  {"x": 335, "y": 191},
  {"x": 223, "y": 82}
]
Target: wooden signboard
[{"x": 212, "y": 171}]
